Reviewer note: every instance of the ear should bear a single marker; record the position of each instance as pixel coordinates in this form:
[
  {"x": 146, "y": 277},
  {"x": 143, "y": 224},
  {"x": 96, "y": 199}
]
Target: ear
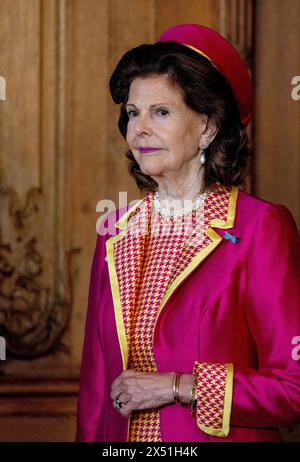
[{"x": 208, "y": 132}]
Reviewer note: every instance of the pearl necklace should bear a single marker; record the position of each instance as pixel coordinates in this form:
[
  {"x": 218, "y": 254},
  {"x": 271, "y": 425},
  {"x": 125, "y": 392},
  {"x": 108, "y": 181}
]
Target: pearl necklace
[{"x": 193, "y": 205}]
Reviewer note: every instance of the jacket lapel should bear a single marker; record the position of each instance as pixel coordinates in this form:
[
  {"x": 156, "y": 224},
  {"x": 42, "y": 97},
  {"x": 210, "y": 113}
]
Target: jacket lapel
[
  {"x": 219, "y": 213},
  {"x": 126, "y": 252}
]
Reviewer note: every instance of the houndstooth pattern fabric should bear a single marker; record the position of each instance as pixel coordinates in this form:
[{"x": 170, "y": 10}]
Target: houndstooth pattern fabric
[
  {"x": 215, "y": 207},
  {"x": 161, "y": 251},
  {"x": 211, "y": 385},
  {"x": 148, "y": 260}
]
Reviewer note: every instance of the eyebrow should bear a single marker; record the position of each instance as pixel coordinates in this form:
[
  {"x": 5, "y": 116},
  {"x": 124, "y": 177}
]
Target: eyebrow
[{"x": 152, "y": 105}]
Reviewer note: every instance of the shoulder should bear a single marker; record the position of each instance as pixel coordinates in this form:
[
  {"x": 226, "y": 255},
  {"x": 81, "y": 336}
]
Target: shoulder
[
  {"x": 114, "y": 221},
  {"x": 256, "y": 212},
  {"x": 252, "y": 203}
]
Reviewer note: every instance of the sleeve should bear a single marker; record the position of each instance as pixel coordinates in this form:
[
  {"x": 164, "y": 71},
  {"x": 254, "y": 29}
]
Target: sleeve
[
  {"x": 92, "y": 366},
  {"x": 213, "y": 395},
  {"x": 268, "y": 396}
]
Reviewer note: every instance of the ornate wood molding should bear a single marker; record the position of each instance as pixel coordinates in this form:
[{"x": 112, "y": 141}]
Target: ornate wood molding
[
  {"x": 32, "y": 316},
  {"x": 48, "y": 397}
]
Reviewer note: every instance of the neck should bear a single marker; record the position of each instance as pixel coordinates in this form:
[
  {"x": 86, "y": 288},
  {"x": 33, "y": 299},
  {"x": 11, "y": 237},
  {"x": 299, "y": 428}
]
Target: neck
[{"x": 175, "y": 189}]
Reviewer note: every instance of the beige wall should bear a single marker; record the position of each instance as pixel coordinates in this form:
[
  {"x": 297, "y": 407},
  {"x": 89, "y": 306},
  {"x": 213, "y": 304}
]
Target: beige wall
[{"x": 277, "y": 122}]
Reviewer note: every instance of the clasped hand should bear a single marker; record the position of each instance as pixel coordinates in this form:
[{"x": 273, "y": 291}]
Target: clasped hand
[{"x": 142, "y": 390}]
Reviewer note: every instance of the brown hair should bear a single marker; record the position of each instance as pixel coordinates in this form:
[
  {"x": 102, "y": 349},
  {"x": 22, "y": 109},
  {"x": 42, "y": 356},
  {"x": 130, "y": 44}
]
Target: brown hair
[{"x": 205, "y": 91}]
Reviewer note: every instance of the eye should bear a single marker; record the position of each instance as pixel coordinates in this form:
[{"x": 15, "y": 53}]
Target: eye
[
  {"x": 131, "y": 114},
  {"x": 163, "y": 112}
]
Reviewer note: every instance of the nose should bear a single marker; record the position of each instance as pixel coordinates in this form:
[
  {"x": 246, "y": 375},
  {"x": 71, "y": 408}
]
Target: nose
[{"x": 142, "y": 124}]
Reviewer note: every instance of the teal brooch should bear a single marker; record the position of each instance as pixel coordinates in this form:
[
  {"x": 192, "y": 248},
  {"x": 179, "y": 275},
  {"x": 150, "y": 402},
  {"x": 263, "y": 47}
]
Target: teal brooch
[{"x": 231, "y": 238}]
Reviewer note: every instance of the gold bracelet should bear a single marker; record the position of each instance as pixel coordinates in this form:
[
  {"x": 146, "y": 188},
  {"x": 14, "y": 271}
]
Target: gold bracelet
[
  {"x": 176, "y": 380},
  {"x": 173, "y": 384},
  {"x": 193, "y": 401}
]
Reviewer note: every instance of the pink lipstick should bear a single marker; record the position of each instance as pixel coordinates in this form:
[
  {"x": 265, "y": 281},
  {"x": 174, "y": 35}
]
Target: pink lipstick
[{"x": 147, "y": 150}]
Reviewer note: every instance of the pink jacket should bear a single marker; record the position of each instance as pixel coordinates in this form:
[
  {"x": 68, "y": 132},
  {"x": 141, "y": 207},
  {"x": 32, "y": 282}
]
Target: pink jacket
[{"x": 240, "y": 304}]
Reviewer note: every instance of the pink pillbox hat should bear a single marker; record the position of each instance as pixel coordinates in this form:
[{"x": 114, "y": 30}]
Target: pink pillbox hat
[{"x": 222, "y": 55}]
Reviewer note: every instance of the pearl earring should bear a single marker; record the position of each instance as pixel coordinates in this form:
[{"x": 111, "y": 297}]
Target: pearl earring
[{"x": 202, "y": 154}]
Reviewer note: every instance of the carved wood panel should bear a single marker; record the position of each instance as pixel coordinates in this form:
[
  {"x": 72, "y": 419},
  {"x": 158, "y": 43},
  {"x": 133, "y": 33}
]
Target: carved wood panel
[{"x": 35, "y": 268}]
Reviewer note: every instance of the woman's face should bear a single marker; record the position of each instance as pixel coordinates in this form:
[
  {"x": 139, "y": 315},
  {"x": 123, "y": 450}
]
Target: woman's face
[{"x": 159, "y": 118}]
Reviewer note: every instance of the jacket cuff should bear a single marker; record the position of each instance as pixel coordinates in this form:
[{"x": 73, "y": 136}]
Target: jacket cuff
[{"x": 213, "y": 393}]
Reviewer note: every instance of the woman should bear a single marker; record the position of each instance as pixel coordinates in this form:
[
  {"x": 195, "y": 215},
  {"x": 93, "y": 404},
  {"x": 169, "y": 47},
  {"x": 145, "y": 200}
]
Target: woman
[{"x": 194, "y": 302}]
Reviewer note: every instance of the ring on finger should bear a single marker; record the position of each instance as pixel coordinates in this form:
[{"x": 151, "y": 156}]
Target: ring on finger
[{"x": 118, "y": 404}]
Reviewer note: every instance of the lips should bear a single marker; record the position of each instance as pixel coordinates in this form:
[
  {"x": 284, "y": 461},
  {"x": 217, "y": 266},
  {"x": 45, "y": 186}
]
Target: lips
[{"x": 147, "y": 150}]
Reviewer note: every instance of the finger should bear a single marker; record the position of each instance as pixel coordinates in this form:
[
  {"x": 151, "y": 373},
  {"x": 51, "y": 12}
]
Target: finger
[
  {"x": 126, "y": 410},
  {"x": 116, "y": 393},
  {"x": 126, "y": 407},
  {"x": 119, "y": 380},
  {"x": 124, "y": 398}
]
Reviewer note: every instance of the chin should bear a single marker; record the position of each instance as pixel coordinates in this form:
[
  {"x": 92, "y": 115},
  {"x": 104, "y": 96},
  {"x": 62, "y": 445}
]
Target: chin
[
  {"x": 158, "y": 171},
  {"x": 151, "y": 169}
]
